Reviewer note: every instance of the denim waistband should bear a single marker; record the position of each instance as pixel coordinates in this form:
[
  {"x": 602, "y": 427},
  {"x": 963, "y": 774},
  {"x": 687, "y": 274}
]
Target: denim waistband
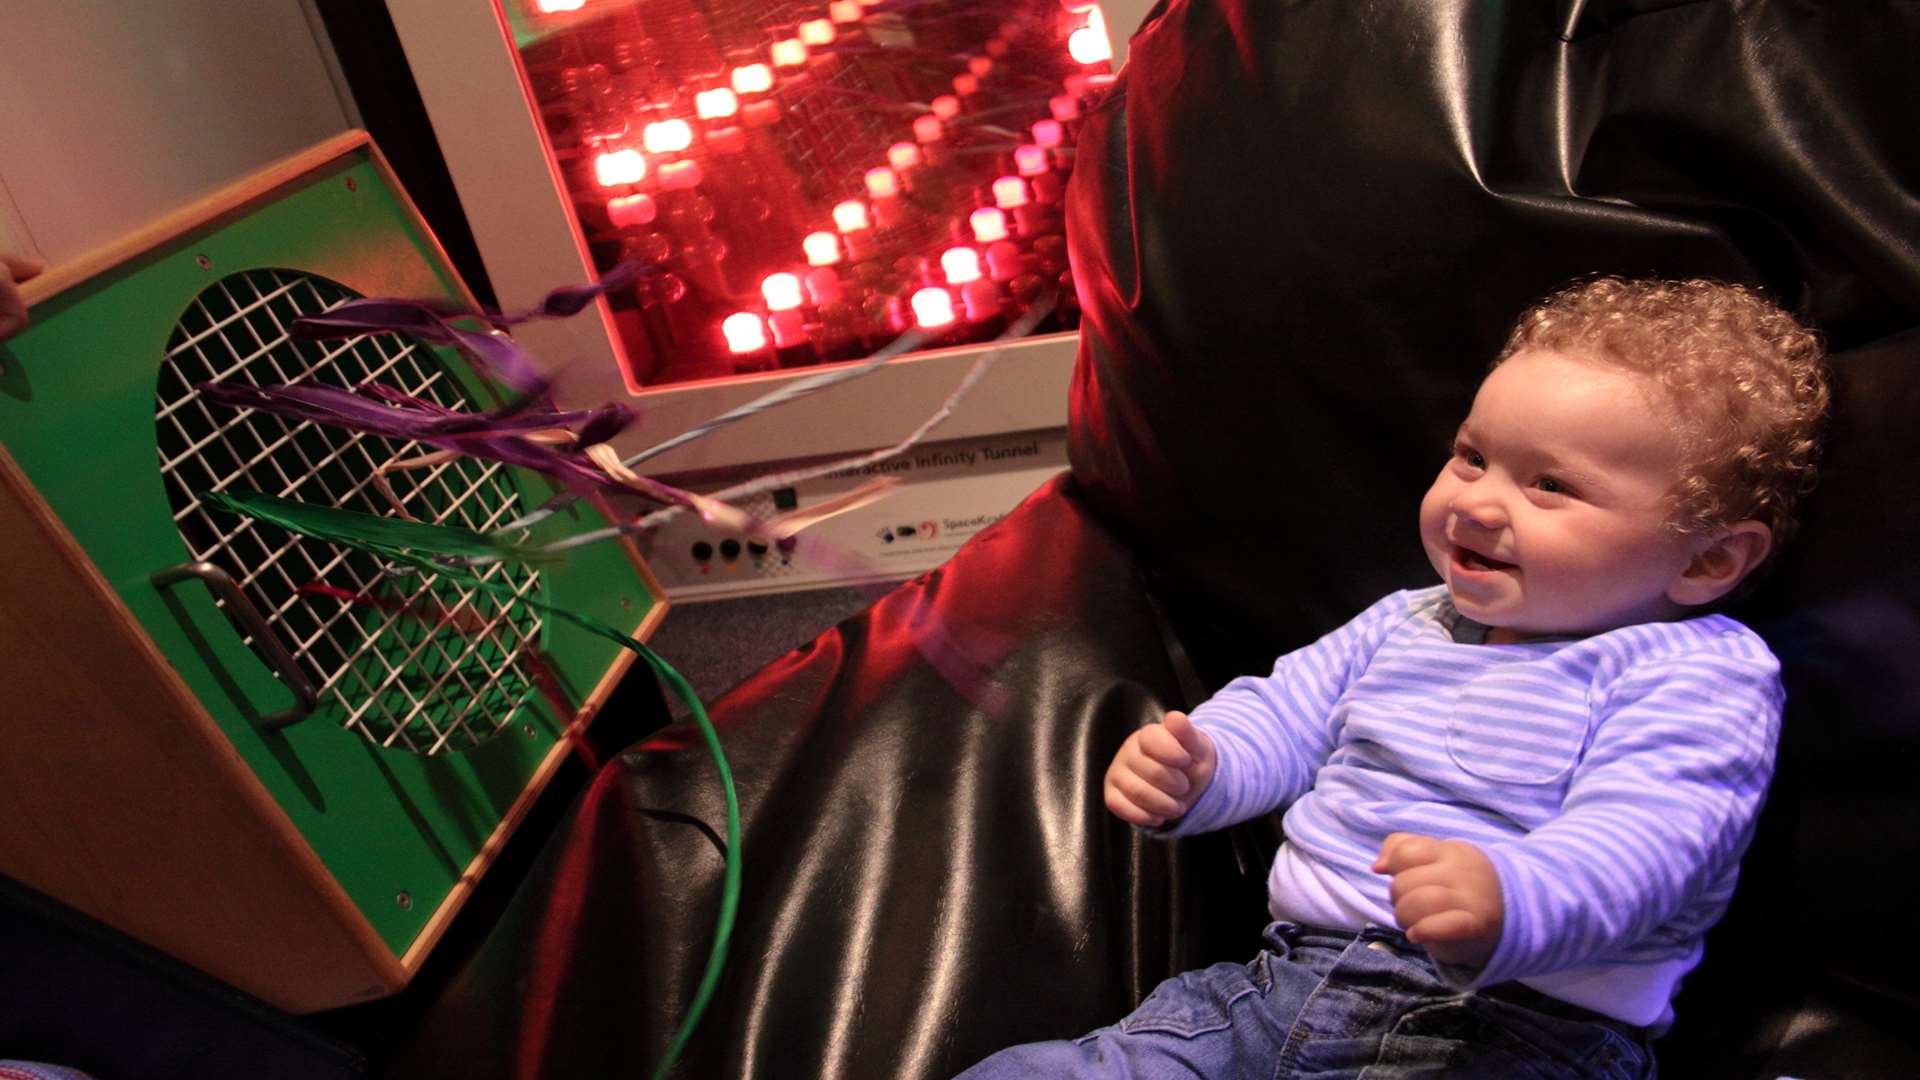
[{"x": 1296, "y": 935}]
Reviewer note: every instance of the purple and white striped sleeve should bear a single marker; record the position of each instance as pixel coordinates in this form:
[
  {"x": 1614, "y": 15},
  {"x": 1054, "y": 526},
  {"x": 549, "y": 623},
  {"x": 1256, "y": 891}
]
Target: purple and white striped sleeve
[
  {"x": 1659, "y": 812},
  {"x": 1273, "y": 732}
]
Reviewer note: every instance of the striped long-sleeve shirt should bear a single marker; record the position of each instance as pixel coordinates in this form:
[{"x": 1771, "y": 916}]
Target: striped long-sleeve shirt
[{"x": 1613, "y": 780}]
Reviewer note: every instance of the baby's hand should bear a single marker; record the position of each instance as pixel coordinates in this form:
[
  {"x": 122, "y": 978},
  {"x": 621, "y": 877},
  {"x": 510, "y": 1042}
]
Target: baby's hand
[
  {"x": 1446, "y": 896},
  {"x": 1160, "y": 772}
]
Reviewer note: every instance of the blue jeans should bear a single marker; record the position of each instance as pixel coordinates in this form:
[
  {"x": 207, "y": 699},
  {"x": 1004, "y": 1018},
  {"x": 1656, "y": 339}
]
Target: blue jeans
[{"x": 1334, "y": 1003}]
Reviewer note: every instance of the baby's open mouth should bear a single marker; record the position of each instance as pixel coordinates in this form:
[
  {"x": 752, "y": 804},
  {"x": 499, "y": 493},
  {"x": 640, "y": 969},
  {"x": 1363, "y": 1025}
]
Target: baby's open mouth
[{"x": 1473, "y": 560}]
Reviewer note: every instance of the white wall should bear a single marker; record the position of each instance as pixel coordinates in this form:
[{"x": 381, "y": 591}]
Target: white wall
[{"x": 116, "y": 112}]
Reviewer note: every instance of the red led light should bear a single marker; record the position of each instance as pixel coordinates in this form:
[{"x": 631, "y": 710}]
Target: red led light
[
  {"x": 745, "y": 332},
  {"x": 760, "y": 113},
  {"x": 981, "y": 299},
  {"x": 782, "y": 291},
  {"x": 945, "y": 107},
  {"x": 554, "y": 7},
  {"x": 933, "y": 308},
  {"x": 903, "y": 155},
  {"x": 1049, "y": 133},
  {"x": 1009, "y": 192},
  {"x": 1078, "y": 6},
  {"x": 817, "y": 32},
  {"x": 1089, "y": 46},
  {"x": 1004, "y": 262},
  {"x": 667, "y": 136},
  {"x": 966, "y": 84},
  {"x": 881, "y": 182},
  {"x": 822, "y": 248},
  {"x": 844, "y": 11},
  {"x": 792, "y": 52},
  {"x": 928, "y": 128},
  {"x": 823, "y": 286},
  {"x": 1064, "y": 107},
  {"x": 680, "y": 175},
  {"x": 962, "y": 264},
  {"x": 716, "y": 103},
  {"x": 979, "y": 66},
  {"x": 753, "y": 79},
  {"x": 626, "y": 210},
  {"x": 850, "y": 216},
  {"x": 616, "y": 167},
  {"x": 1030, "y": 160},
  {"x": 989, "y": 224},
  {"x": 728, "y": 140}
]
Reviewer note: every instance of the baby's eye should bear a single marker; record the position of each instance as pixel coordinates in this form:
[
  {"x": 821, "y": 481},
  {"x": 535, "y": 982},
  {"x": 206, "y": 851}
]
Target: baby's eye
[
  {"x": 1469, "y": 455},
  {"x": 1550, "y": 485}
]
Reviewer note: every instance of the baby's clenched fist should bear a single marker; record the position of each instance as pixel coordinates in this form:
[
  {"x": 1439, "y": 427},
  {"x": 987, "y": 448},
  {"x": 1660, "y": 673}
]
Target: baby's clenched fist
[{"x": 1160, "y": 772}]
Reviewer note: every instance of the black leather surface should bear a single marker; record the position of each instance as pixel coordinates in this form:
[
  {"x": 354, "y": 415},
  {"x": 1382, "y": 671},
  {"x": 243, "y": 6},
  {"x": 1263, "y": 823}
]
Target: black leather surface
[
  {"x": 1300, "y": 231},
  {"x": 926, "y": 878}
]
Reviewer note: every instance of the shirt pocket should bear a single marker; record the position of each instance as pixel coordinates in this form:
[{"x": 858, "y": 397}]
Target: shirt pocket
[{"x": 1510, "y": 733}]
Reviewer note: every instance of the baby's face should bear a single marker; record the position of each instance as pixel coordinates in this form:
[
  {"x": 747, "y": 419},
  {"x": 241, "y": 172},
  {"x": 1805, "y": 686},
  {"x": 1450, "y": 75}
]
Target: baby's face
[{"x": 1550, "y": 516}]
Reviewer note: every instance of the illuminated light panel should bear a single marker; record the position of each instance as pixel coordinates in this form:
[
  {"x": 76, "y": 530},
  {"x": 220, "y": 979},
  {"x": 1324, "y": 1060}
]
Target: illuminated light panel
[
  {"x": 1010, "y": 192},
  {"x": 1064, "y": 107},
  {"x": 881, "y": 182},
  {"x": 822, "y": 248},
  {"x": 555, "y": 7},
  {"x": 966, "y": 85},
  {"x": 1049, "y": 133},
  {"x": 1089, "y": 46},
  {"x": 760, "y": 113},
  {"x": 933, "y": 308},
  {"x": 850, "y": 216},
  {"x": 680, "y": 175},
  {"x": 667, "y": 136},
  {"x": 928, "y": 128},
  {"x": 753, "y": 79},
  {"x": 979, "y": 66},
  {"x": 1030, "y": 161},
  {"x": 782, "y": 291},
  {"x": 792, "y": 52},
  {"x": 626, "y": 210},
  {"x": 823, "y": 286},
  {"x": 727, "y": 140},
  {"x": 1078, "y": 6},
  {"x": 745, "y": 332},
  {"x": 989, "y": 224},
  {"x": 716, "y": 103},
  {"x": 903, "y": 155},
  {"x": 946, "y": 107},
  {"x": 962, "y": 264},
  {"x": 817, "y": 32},
  {"x": 844, "y": 11},
  {"x": 616, "y": 167}
]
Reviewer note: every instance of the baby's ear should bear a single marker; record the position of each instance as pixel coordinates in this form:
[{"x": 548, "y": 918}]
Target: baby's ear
[{"x": 1722, "y": 563}]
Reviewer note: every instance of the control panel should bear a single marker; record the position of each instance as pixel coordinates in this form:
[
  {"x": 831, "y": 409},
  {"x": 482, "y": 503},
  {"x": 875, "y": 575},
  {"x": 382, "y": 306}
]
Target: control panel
[{"x": 947, "y": 493}]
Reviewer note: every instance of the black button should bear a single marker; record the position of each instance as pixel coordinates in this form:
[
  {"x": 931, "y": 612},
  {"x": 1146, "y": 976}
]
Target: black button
[
  {"x": 702, "y": 551},
  {"x": 729, "y": 549},
  {"x": 786, "y": 499},
  {"x": 756, "y": 548}
]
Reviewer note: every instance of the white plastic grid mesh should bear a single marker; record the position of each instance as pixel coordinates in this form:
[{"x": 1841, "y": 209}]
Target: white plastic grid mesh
[{"x": 425, "y": 685}]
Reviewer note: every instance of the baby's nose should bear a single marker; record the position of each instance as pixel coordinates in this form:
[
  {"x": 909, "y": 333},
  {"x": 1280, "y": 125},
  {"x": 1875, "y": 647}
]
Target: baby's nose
[{"x": 1480, "y": 510}]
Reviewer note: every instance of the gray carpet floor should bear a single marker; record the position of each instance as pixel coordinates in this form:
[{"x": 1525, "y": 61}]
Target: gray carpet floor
[{"x": 717, "y": 643}]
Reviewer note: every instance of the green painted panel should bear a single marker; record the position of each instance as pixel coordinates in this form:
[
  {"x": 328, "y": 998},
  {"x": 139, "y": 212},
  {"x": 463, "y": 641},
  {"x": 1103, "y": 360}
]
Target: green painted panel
[{"x": 77, "y": 410}]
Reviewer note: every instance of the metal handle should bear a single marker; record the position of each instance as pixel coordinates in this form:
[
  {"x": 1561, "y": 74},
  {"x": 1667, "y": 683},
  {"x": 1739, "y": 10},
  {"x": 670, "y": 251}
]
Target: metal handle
[{"x": 242, "y": 611}]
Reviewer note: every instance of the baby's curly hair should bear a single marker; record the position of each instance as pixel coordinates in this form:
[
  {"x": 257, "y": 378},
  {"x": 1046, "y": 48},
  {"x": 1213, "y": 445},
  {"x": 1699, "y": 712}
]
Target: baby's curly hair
[{"x": 1748, "y": 381}]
